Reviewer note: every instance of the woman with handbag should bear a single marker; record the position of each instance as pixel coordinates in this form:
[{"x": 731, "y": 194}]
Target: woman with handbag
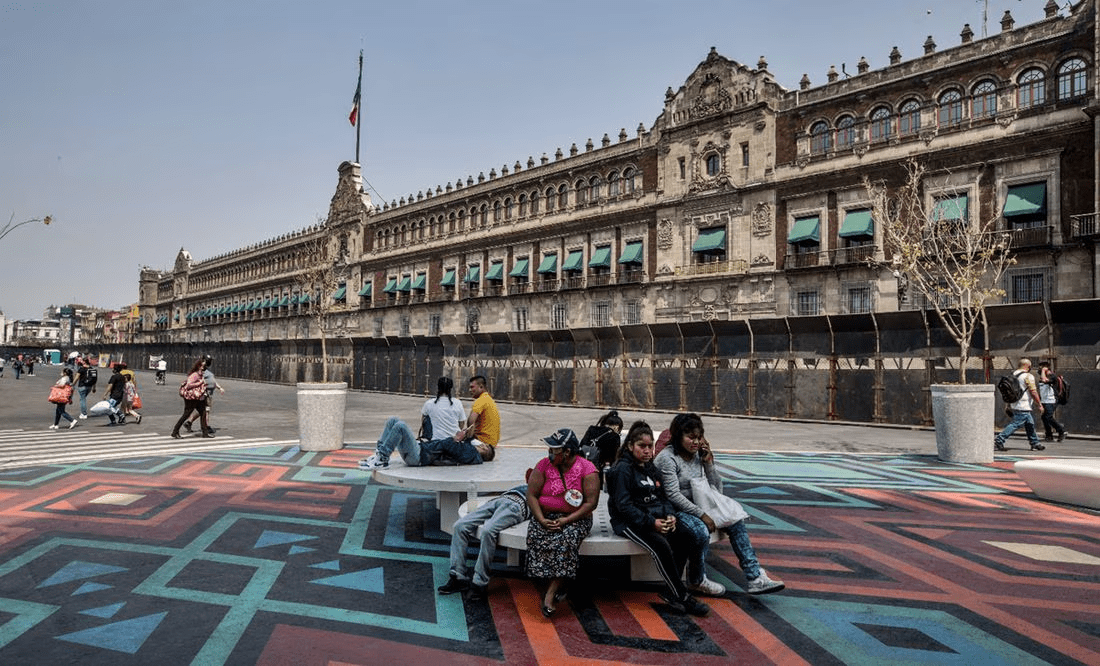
[
  {"x": 193, "y": 392},
  {"x": 562, "y": 492},
  {"x": 685, "y": 464},
  {"x": 61, "y": 394},
  {"x": 641, "y": 512}
]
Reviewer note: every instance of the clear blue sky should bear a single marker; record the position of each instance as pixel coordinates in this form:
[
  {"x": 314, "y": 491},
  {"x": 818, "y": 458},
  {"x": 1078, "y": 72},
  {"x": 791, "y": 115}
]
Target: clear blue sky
[{"x": 144, "y": 126}]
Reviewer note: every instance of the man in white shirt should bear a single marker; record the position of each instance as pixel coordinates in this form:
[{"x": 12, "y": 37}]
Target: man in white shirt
[
  {"x": 1022, "y": 408},
  {"x": 445, "y": 415}
]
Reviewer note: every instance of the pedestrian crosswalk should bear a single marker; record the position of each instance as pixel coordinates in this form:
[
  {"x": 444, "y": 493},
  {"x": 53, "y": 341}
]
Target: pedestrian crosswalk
[{"x": 28, "y": 448}]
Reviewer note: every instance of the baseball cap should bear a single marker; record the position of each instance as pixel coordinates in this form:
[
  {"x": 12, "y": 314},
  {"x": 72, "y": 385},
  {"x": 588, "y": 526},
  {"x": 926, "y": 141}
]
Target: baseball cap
[{"x": 563, "y": 437}]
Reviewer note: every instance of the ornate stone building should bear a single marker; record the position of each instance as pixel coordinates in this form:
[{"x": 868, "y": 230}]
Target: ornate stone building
[{"x": 742, "y": 200}]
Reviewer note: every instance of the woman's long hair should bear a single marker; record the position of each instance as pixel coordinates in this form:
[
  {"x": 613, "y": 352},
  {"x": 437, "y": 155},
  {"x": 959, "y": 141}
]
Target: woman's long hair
[
  {"x": 681, "y": 425},
  {"x": 610, "y": 420},
  {"x": 637, "y": 429},
  {"x": 199, "y": 364},
  {"x": 443, "y": 388}
]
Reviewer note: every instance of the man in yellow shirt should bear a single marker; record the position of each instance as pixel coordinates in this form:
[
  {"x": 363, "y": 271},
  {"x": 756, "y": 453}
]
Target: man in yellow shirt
[{"x": 474, "y": 444}]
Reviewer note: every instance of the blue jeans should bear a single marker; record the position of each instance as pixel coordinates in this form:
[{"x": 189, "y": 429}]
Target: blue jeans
[
  {"x": 697, "y": 560},
  {"x": 742, "y": 548},
  {"x": 497, "y": 515},
  {"x": 83, "y": 391},
  {"x": 448, "y": 451},
  {"x": 114, "y": 411},
  {"x": 396, "y": 436},
  {"x": 1020, "y": 417}
]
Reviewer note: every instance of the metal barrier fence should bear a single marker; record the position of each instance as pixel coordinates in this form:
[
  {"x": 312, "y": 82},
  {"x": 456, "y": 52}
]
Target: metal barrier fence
[{"x": 873, "y": 368}]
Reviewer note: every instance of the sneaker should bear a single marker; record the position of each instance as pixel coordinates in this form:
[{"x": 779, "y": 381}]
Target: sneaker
[
  {"x": 187, "y": 426},
  {"x": 708, "y": 588},
  {"x": 997, "y": 446},
  {"x": 373, "y": 462},
  {"x": 763, "y": 584},
  {"x": 138, "y": 418},
  {"x": 1062, "y": 436},
  {"x": 1048, "y": 438},
  {"x": 477, "y": 592},
  {"x": 72, "y": 424},
  {"x": 453, "y": 584},
  {"x": 695, "y": 607},
  {"x": 83, "y": 416},
  {"x": 676, "y": 606},
  {"x": 53, "y": 427},
  {"x": 1037, "y": 447}
]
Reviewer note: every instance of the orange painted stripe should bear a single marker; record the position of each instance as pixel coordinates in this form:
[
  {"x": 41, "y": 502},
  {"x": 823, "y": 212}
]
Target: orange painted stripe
[
  {"x": 756, "y": 635},
  {"x": 638, "y": 604}
]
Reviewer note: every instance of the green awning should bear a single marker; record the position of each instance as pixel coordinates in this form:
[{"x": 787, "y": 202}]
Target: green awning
[
  {"x": 496, "y": 271},
  {"x": 406, "y": 283},
  {"x": 549, "y": 264},
  {"x": 251, "y": 305},
  {"x": 574, "y": 262},
  {"x": 520, "y": 269},
  {"x": 710, "y": 241},
  {"x": 632, "y": 253},
  {"x": 285, "y": 302},
  {"x": 267, "y": 303},
  {"x": 601, "y": 258},
  {"x": 391, "y": 286},
  {"x": 304, "y": 299},
  {"x": 805, "y": 230},
  {"x": 857, "y": 224},
  {"x": 365, "y": 291},
  {"x": 473, "y": 276},
  {"x": 448, "y": 278},
  {"x": 340, "y": 294},
  {"x": 1026, "y": 200},
  {"x": 420, "y": 282},
  {"x": 950, "y": 209}
]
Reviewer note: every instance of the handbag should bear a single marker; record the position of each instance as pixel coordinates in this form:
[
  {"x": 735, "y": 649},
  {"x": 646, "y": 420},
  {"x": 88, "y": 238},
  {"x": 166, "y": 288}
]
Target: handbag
[
  {"x": 136, "y": 402},
  {"x": 61, "y": 395},
  {"x": 724, "y": 511},
  {"x": 195, "y": 392}
]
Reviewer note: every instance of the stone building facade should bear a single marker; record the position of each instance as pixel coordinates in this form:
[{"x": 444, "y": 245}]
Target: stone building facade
[{"x": 742, "y": 200}]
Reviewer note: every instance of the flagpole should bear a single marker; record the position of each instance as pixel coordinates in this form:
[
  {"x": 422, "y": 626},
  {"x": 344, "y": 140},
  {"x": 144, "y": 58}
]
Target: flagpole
[{"x": 358, "y": 119}]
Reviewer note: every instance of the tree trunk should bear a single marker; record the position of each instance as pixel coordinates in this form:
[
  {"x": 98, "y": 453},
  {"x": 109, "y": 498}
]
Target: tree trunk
[
  {"x": 324, "y": 357},
  {"x": 964, "y": 357}
]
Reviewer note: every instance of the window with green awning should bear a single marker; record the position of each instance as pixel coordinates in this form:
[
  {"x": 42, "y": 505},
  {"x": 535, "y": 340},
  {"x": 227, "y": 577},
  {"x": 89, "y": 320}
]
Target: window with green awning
[
  {"x": 574, "y": 262},
  {"x": 304, "y": 299},
  {"x": 710, "y": 241},
  {"x": 341, "y": 293},
  {"x": 365, "y": 291},
  {"x": 1026, "y": 201},
  {"x": 805, "y": 230},
  {"x": 448, "y": 278},
  {"x": 391, "y": 286},
  {"x": 549, "y": 264},
  {"x": 496, "y": 271},
  {"x": 406, "y": 283},
  {"x": 420, "y": 282},
  {"x": 632, "y": 253},
  {"x": 473, "y": 275},
  {"x": 601, "y": 258},
  {"x": 858, "y": 224},
  {"x": 950, "y": 209},
  {"x": 520, "y": 269},
  {"x": 284, "y": 302}
]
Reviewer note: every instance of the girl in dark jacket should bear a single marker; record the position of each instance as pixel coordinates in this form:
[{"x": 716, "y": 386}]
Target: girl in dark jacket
[{"x": 641, "y": 512}]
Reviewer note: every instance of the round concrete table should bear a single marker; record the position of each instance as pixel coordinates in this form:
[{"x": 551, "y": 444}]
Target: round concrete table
[{"x": 455, "y": 484}]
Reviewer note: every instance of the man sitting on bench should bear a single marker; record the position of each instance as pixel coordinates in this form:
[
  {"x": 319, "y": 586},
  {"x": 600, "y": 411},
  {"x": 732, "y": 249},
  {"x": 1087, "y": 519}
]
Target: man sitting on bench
[{"x": 494, "y": 516}]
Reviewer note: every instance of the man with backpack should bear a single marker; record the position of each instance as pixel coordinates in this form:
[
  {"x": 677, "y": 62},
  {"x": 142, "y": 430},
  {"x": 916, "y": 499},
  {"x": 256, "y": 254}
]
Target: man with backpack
[
  {"x": 1021, "y": 409},
  {"x": 86, "y": 378},
  {"x": 1049, "y": 385}
]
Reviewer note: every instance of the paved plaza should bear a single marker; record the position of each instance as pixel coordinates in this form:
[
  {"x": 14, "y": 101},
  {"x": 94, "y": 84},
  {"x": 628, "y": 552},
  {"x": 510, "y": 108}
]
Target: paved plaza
[{"x": 125, "y": 550}]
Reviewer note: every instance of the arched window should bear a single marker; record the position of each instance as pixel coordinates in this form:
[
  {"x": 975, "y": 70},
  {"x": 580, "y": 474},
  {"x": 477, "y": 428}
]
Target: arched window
[
  {"x": 845, "y": 132},
  {"x": 581, "y": 192},
  {"x": 983, "y": 99},
  {"x": 484, "y": 215},
  {"x": 628, "y": 180},
  {"x": 508, "y": 208},
  {"x": 594, "y": 184},
  {"x": 613, "y": 184},
  {"x": 1072, "y": 79},
  {"x": 1031, "y": 89},
  {"x": 550, "y": 200},
  {"x": 522, "y": 205},
  {"x": 713, "y": 164},
  {"x": 880, "y": 124},
  {"x": 819, "y": 138},
  {"x": 496, "y": 210},
  {"x": 563, "y": 196},
  {"x": 461, "y": 221},
  {"x": 951, "y": 109},
  {"x": 909, "y": 117}
]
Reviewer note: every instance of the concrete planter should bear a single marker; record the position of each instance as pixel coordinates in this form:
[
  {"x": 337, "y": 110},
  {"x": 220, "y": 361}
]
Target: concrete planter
[
  {"x": 964, "y": 422},
  {"x": 321, "y": 415}
]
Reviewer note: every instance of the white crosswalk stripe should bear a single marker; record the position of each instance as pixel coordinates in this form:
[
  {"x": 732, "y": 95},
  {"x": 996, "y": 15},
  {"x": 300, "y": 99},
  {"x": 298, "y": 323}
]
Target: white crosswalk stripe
[{"x": 28, "y": 448}]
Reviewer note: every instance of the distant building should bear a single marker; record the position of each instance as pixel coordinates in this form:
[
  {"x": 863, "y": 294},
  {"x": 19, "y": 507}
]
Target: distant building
[{"x": 742, "y": 200}]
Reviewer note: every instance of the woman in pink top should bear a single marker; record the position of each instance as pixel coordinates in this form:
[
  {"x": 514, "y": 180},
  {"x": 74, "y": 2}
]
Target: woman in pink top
[{"x": 562, "y": 492}]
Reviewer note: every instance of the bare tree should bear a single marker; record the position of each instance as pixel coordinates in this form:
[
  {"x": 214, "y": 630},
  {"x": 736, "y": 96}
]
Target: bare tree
[
  {"x": 325, "y": 273},
  {"x": 956, "y": 263},
  {"x": 12, "y": 225}
]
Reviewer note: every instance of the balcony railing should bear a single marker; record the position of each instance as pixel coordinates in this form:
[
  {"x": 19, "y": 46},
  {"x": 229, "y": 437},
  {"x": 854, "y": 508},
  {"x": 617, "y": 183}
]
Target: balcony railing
[
  {"x": 714, "y": 267},
  {"x": 858, "y": 254},
  {"x": 442, "y": 297},
  {"x": 519, "y": 288},
  {"x": 572, "y": 282},
  {"x": 803, "y": 260},
  {"x": 494, "y": 289},
  {"x": 635, "y": 276},
  {"x": 599, "y": 279},
  {"x": 1032, "y": 236},
  {"x": 546, "y": 285},
  {"x": 1084, "y": 226}
]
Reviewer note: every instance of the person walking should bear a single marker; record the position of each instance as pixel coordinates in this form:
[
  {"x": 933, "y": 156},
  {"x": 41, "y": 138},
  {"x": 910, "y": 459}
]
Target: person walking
[
  {"x": 130, "y": 396},
  {"x": 116, "y": 391},
  {"x": 208, "y": 401},
  {"x": 1048, "y": 398},
  {"x": 1022, "y": 408},
  {"x": 193, "y": 392},
  {"x": 86, "y": 377},
  {"x": 63, "y": 390}
]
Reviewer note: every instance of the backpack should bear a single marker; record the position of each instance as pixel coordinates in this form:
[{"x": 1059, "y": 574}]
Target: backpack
[
  {"x": 1061, "y": 389},
  {"x": 89, "y": 377},
  {"x": 1009, "y": 387},
  {"x": 599, "y": 445}
]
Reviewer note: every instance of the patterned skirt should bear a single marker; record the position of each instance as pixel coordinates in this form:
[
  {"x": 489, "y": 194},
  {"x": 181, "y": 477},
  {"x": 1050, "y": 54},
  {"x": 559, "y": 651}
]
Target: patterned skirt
[{"x": 555, "y": 554}]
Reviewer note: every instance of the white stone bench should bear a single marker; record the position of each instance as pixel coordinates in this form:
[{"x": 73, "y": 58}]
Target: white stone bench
[
  {"x": 1068, "y": 480},
  {"x": 600, "y": 542}
]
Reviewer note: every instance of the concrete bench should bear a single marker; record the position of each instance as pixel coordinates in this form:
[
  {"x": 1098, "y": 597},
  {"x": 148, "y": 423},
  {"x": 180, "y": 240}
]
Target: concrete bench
[
  {"x": 1068, "y": 480},
  {"x": 600, "y": 542}
]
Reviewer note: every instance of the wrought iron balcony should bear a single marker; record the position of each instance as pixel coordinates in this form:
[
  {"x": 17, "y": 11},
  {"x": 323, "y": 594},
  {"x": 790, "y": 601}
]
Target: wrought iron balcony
[{"x": 1084, "y": 226}]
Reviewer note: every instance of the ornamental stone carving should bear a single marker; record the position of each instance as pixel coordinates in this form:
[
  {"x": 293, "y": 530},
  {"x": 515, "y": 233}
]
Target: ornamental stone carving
[
  {"x": 709, "y": 313},
  {"x": 664, "y": 234},
  {"x": 762, "y": 220},
  {"x": 761, "y": 260}
]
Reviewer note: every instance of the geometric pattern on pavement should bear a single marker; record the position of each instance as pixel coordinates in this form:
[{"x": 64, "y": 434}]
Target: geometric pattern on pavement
[{"x": 271, "y": 555}]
